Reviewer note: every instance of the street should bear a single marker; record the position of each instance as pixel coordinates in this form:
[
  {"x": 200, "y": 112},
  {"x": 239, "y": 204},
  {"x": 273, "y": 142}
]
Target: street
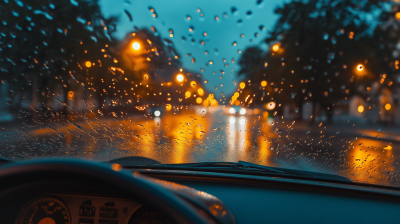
[{"x": 214, "y": 136}]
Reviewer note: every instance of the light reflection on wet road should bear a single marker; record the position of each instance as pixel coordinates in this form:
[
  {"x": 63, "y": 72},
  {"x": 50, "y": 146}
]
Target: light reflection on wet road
[{"x": 190, "y": 137}]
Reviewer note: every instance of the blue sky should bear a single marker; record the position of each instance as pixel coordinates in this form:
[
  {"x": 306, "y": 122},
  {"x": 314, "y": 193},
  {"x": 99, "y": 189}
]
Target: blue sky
[{"x": 220, "y": 34}]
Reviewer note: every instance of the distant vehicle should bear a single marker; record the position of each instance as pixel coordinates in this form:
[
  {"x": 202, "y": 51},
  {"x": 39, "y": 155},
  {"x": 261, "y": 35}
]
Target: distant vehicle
[
  {"x": 156, "y": 111},
  {"x": 236, "y": 110}
]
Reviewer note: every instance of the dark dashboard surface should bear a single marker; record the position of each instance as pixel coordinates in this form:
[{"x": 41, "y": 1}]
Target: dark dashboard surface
[
  {"x": 270, "y": 203},
  {"x": 251, "y": 200}
]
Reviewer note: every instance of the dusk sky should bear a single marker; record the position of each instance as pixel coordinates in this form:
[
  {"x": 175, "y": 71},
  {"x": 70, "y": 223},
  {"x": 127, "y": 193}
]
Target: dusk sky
[{"x": 221, "y": 34}]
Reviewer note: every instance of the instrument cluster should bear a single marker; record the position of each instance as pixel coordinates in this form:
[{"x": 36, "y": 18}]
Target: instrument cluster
[{"x": 71, "y": 209}]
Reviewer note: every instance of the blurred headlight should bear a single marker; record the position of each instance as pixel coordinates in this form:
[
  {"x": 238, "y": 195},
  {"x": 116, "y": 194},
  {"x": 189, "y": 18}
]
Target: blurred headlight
[{"x": 157, "y": 113}]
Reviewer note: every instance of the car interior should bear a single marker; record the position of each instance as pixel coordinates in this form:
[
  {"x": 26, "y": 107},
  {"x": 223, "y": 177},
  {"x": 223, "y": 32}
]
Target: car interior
[{"x": 79, "y": 191}]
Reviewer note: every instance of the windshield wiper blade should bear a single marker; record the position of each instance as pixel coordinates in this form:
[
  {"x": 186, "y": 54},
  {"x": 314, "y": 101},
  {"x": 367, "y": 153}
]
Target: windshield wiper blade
[
  {"x": 243, "y": 167},
  {"x": 223, "y": 165}
]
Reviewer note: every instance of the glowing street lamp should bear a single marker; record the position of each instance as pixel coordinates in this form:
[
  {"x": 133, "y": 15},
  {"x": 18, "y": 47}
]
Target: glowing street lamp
[
  {"x": 200, "y": 91},
  {"x": 397, "y": 15},
  {"x": 360, "y": 109},
  {"x": 179, "y": 78},
  {"x": 264, "y": 83},
  {"x": 136, "y": 46},
  {"x": 275, "y": 47},
  {"x": 88, "y": 64},
  {"x": 242, "y": 85},
  {"x": 388, "y": 106},
  {"x": 360, "y": 67}
]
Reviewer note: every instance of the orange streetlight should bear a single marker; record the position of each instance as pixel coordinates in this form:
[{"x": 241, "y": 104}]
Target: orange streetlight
[
  {"x": 388, "y": 106},
  {"x": 88, "y": 64},
  {"x": 275, "y": 47},
  {"x": 179, "y": 78},
  {"x": 200, "y": 91},
  {"x": 360, "y": 109},
  {"x": 264, "y": 83},
  {"x": 199, "y": 100},
  {"x": 242, "y": 85},
  {"x": 397, "y": 15},
  {"x": 136, "y": 46},
  {"x": 360, "y": 67}
]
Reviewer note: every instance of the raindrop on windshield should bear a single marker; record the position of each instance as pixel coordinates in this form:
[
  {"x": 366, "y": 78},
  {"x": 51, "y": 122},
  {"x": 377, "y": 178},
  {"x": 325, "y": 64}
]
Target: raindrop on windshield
[{"x": 234, "y": 10}]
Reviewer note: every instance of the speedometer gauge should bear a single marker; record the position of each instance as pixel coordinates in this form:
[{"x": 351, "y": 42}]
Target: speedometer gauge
[{"x": 44, "y": 211}]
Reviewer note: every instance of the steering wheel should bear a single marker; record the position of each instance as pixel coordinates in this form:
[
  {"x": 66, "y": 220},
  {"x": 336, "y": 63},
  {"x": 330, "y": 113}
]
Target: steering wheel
[{"x": 135, "y": 187}]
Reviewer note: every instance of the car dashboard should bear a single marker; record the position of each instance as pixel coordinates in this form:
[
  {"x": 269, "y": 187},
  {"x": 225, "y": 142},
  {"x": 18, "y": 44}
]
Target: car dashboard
[{"x": 229, "y": 198}]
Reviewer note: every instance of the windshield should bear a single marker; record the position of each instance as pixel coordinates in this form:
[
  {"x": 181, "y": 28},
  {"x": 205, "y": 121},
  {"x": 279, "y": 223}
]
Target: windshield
[{"x": 309, "y": 85}]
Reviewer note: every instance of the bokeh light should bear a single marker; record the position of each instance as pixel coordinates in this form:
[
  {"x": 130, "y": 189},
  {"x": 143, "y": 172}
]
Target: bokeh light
[{"x": 136, "y": 46}]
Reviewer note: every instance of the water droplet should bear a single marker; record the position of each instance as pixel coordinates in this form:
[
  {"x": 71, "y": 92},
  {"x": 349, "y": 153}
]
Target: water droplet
[
  {"x": 234, "y": 10},
  {"x": 128, "y": 14},
  {"x": 333, "y": 40},
  {"x": 326, "y": 36}
]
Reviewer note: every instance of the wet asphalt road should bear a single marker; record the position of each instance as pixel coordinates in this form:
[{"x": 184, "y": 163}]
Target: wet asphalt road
[{"x": 215, "y": 136}]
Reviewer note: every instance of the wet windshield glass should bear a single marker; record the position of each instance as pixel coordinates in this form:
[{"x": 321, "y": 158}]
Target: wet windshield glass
[{"x": 309, "y": 85}]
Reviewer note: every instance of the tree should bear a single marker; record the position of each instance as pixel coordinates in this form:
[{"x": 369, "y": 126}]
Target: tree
[
  {"x": 319, "y": 44},
  {"x": 50, "y": 44}
]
